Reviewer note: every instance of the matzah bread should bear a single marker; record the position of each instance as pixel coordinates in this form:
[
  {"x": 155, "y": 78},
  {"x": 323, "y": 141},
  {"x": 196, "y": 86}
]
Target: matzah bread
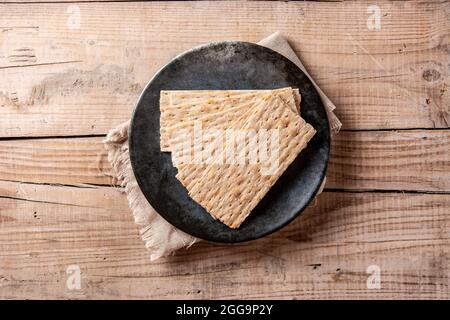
[
  {"x": 189, "y": 170},
  {"x": 182, "y": 135},
  {"x": 230, "y": 192},
  {"x": 187, "y": 106},
  {"x": 230, "y": 187}
]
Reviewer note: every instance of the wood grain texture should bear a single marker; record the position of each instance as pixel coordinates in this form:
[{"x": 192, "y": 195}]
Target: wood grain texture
[
  {"x": 73, "y": 1},
  {"x": 65, "y": 161},
  {"x": 391, "y": 160},
  {"x": 323, "y": 254},
  {"x": 382, "y": 160},
  {"x": 60, "y": 75}
]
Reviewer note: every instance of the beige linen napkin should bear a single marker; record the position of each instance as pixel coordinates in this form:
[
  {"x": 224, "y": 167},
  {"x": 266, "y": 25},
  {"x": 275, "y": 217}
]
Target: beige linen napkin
[{"x": 160, "y": 237}]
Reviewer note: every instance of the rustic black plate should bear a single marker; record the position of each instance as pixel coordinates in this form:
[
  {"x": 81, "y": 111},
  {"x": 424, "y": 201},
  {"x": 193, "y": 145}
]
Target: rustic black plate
[{"x": 227, "y": 65}]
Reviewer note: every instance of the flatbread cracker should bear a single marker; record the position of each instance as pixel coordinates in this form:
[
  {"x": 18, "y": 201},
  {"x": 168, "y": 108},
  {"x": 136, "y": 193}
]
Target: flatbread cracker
[
  {"x": 210, "y": 126},
  {"x": 204, "y": 112},
  {"x": 178, "y": 97},
  {"x": 187, "y": 106},
  {"x": 184, "y": 141},
  {"x": 229, "y": 192},
  {"x": 186, "y": 146}
]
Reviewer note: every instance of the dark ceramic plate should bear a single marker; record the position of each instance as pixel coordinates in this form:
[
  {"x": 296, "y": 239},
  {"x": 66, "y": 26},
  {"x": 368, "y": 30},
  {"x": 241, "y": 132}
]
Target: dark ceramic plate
[{"x": 227, "y": 65}]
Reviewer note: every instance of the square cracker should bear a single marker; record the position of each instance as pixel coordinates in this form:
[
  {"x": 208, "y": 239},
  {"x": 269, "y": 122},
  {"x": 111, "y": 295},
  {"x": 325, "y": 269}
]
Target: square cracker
[
  {"x": 186, "y": 145},
  {"x": 180, "y": 107}
]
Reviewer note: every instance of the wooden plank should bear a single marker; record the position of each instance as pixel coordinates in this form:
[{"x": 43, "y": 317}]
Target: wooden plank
[
  {"x": 27, "y": 2},
  {"x": 394, "y": 160},
  {"x": 382, "y": 160},
  {"x": 323, "y": 254},
  {"x": 60, "y": 75},
  {"x": 65, "y": 161}
]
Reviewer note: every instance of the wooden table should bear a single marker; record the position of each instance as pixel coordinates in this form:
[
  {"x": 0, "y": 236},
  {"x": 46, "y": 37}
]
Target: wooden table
[{"x": 69, "y": 72}]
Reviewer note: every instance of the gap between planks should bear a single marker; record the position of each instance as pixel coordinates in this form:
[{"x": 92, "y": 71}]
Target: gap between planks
[
  {"x": 395, "y": 161},
  {"x": 104, "y": 135},
  {"x": 97, "y": 186}
]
